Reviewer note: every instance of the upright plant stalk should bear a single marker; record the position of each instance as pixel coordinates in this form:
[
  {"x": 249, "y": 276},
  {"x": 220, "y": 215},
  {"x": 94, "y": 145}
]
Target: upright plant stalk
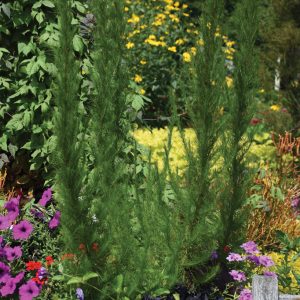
[
  {"x": 69, "y": 168},
  {"x": 204, "y": 98},
  {"x": 240, "y": 103}
]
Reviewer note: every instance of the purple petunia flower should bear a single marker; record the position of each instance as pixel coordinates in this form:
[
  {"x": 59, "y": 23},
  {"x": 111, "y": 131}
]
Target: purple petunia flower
[
  {"x": 234, "y": 257},
  {"x": 12, "y": 253},
  {"x": 12, "y": 204},
  {"x": 295, "y": 202},
  {"x": 270, "y": 274},
  {"x": 46, "y": 197},
  {"x": 4, "y": 270},
  {"x": 266, "y": 261},
  {"x": 22, "y": 230},
  {"x": 79, "y": 294},
  {"x": 214, "y": 255},
  {"x": 54, "y": 222},
  {"x": 19, "y": 277},
  {"x": 245, "y": 294},
  {"x": 254, "y": 259},
  {"x": 250, "y": 247},
  {"x": 29, "y": 290},
  {"x": 42, "y": 273},
  {"x": 9, "y": 286},
  {"x": 37, "y": 214},
  {"x": 237, "y": 275},
  {"x": 4, "y": 222}
]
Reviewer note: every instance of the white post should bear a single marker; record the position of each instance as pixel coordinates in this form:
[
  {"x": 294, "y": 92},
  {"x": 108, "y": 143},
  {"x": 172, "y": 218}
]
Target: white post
[
  {"x": 277, "y": 76},
  {"x": 264, "y": 288}
]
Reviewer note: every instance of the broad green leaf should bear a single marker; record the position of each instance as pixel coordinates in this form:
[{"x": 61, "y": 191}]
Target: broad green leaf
[
  {"x": 58, "y": 278},
  {"x": 137, "y": 102},
  {"x": 3, "y": 142},
  {"x": 74, "y": 280},
  {"x": 78, "y": 43},
  {"x": 90, "y": 275},
  {"x": 48, "y": 3},
  {"x": 12, "y": 149}
]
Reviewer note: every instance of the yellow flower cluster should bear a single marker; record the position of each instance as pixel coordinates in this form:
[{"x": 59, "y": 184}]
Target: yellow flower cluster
[
  {"x": 151, "y": 40},
  {"x": 294, "y": 264}
]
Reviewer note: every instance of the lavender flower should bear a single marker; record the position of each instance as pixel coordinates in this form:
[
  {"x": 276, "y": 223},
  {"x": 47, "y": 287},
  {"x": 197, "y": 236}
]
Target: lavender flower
[
  {"x": 22, "y": 230},
  {"x": 46, "y": 197},
  {"x": 4, "y": 270},
  {"x": 12, "y": 204},
  {"x": 295, "y": 203},
  {"x": 234, "y": 257},
  {"x": 12, "y": 253},
  {"x": 266, "y": 261},
  {"x": 245, "y": 295},
  {"x": 37, "y": 214},
  {"x": 254, "y": 259},
  {"x": 214, "y": 255},
  {"x": 79, "y": 294},
  {"x": 9, "y": 286},
  {"x": 270, "y": 274},
  {"x": 29, "y": 290},
  {"x": 54, "y": 222},
  {"x": 237, "y": 275},
  {"x": 250, "y": 247}
]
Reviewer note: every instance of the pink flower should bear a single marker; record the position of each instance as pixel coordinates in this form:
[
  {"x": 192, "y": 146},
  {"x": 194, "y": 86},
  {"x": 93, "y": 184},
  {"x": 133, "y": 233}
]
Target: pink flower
[
  {"x": 4, "y": 222},
  {"x": 234, "y": 257},
  {"x": 9, "y": 286},
  {"x": 54, "y": 222},
  {"x": 19, "y": 277},
  {"x": 266, "y": 261},
  {"x": 245, "y": 295},
  {"x": 250, "y": 247},
  {"x": 4, "y": 270},
  {"x": 12, "y": 253},
  {"x": 46, "y": 197},
  {"x": 237, "y": 275},
  {"x": 270, "y": 274},
  {"x": 29, "y": 290},
  {"x": 22, "y": 230}
]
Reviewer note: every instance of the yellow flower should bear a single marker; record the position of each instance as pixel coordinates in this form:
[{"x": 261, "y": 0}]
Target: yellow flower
[
  {"x": 194, "y": 50},
  {"x": 134, "y": 19},
  {"x": 129, "y": 45},
  {"x": 184, "y": 6},
  {"x": 186, "y": 57},
  {"x": 142, "y": 91},
  {"x": 143, "y": 61},
  {"x": 174, "y": 18},
  {"x": 275, "y": 107},
  {"x": 229, "y": 81},
  {"x": 230, "y": 43},
  {"x": 138, "y": 78},
  {"x": 126, "y": 8},
  {"x": 172, "y": 49},
  {"x": 261, "y": 91},
  {"x": 179, "y": 42},
  {"x": 200, "y": 42}
]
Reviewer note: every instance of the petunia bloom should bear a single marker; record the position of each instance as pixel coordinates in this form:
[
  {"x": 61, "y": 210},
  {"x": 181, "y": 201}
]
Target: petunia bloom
[
  {"x": 54, "y": 222},
  {"x": 9, "y": 286},
  {"x": 237, "y": 275},
  {"x": 22, "y": 230},
  {"x": 4, "y": 270},
  {"x": 254, "y": 259},
  {"x": 270, "y": 274},
  {"x": 46, "y": 197},
  {"x": 29, "y": 290},
  {"x": 13, "y": 253},
  {"x": 4, "y": 222},
  {"x": 19, "y": 277}
]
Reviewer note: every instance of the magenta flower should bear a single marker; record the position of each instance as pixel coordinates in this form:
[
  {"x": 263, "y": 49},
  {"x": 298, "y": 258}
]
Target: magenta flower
[
  {"x": 295, "y": 202},
  {"x": 266, "y": 261},
  {"x": 54, "y": 222},
  {"x": 4, "y": 270},
  {"x": 4, "y": 222},
  {"x": 270, "y": 274},
  {"x": 245, "y": 294},
  {"x": 46, "y": 197},
  {"x": 250, "y": 247},
  {"x": 22, "y": 230},
  {"x": 9, "y": 286},
  {"x": 29, "y": 290},
  {"x": 12, "y": 204},
  {"x": 19, "y": 277},
  {"x": 12, "y": 253},
  {"x": 234, "y": 257},
  {"x": 237, "y": 275}
]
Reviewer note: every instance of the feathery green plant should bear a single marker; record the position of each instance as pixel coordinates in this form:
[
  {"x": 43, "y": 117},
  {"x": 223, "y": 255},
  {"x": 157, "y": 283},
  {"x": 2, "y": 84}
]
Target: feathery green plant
[{"x": 238, "y": 137}]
